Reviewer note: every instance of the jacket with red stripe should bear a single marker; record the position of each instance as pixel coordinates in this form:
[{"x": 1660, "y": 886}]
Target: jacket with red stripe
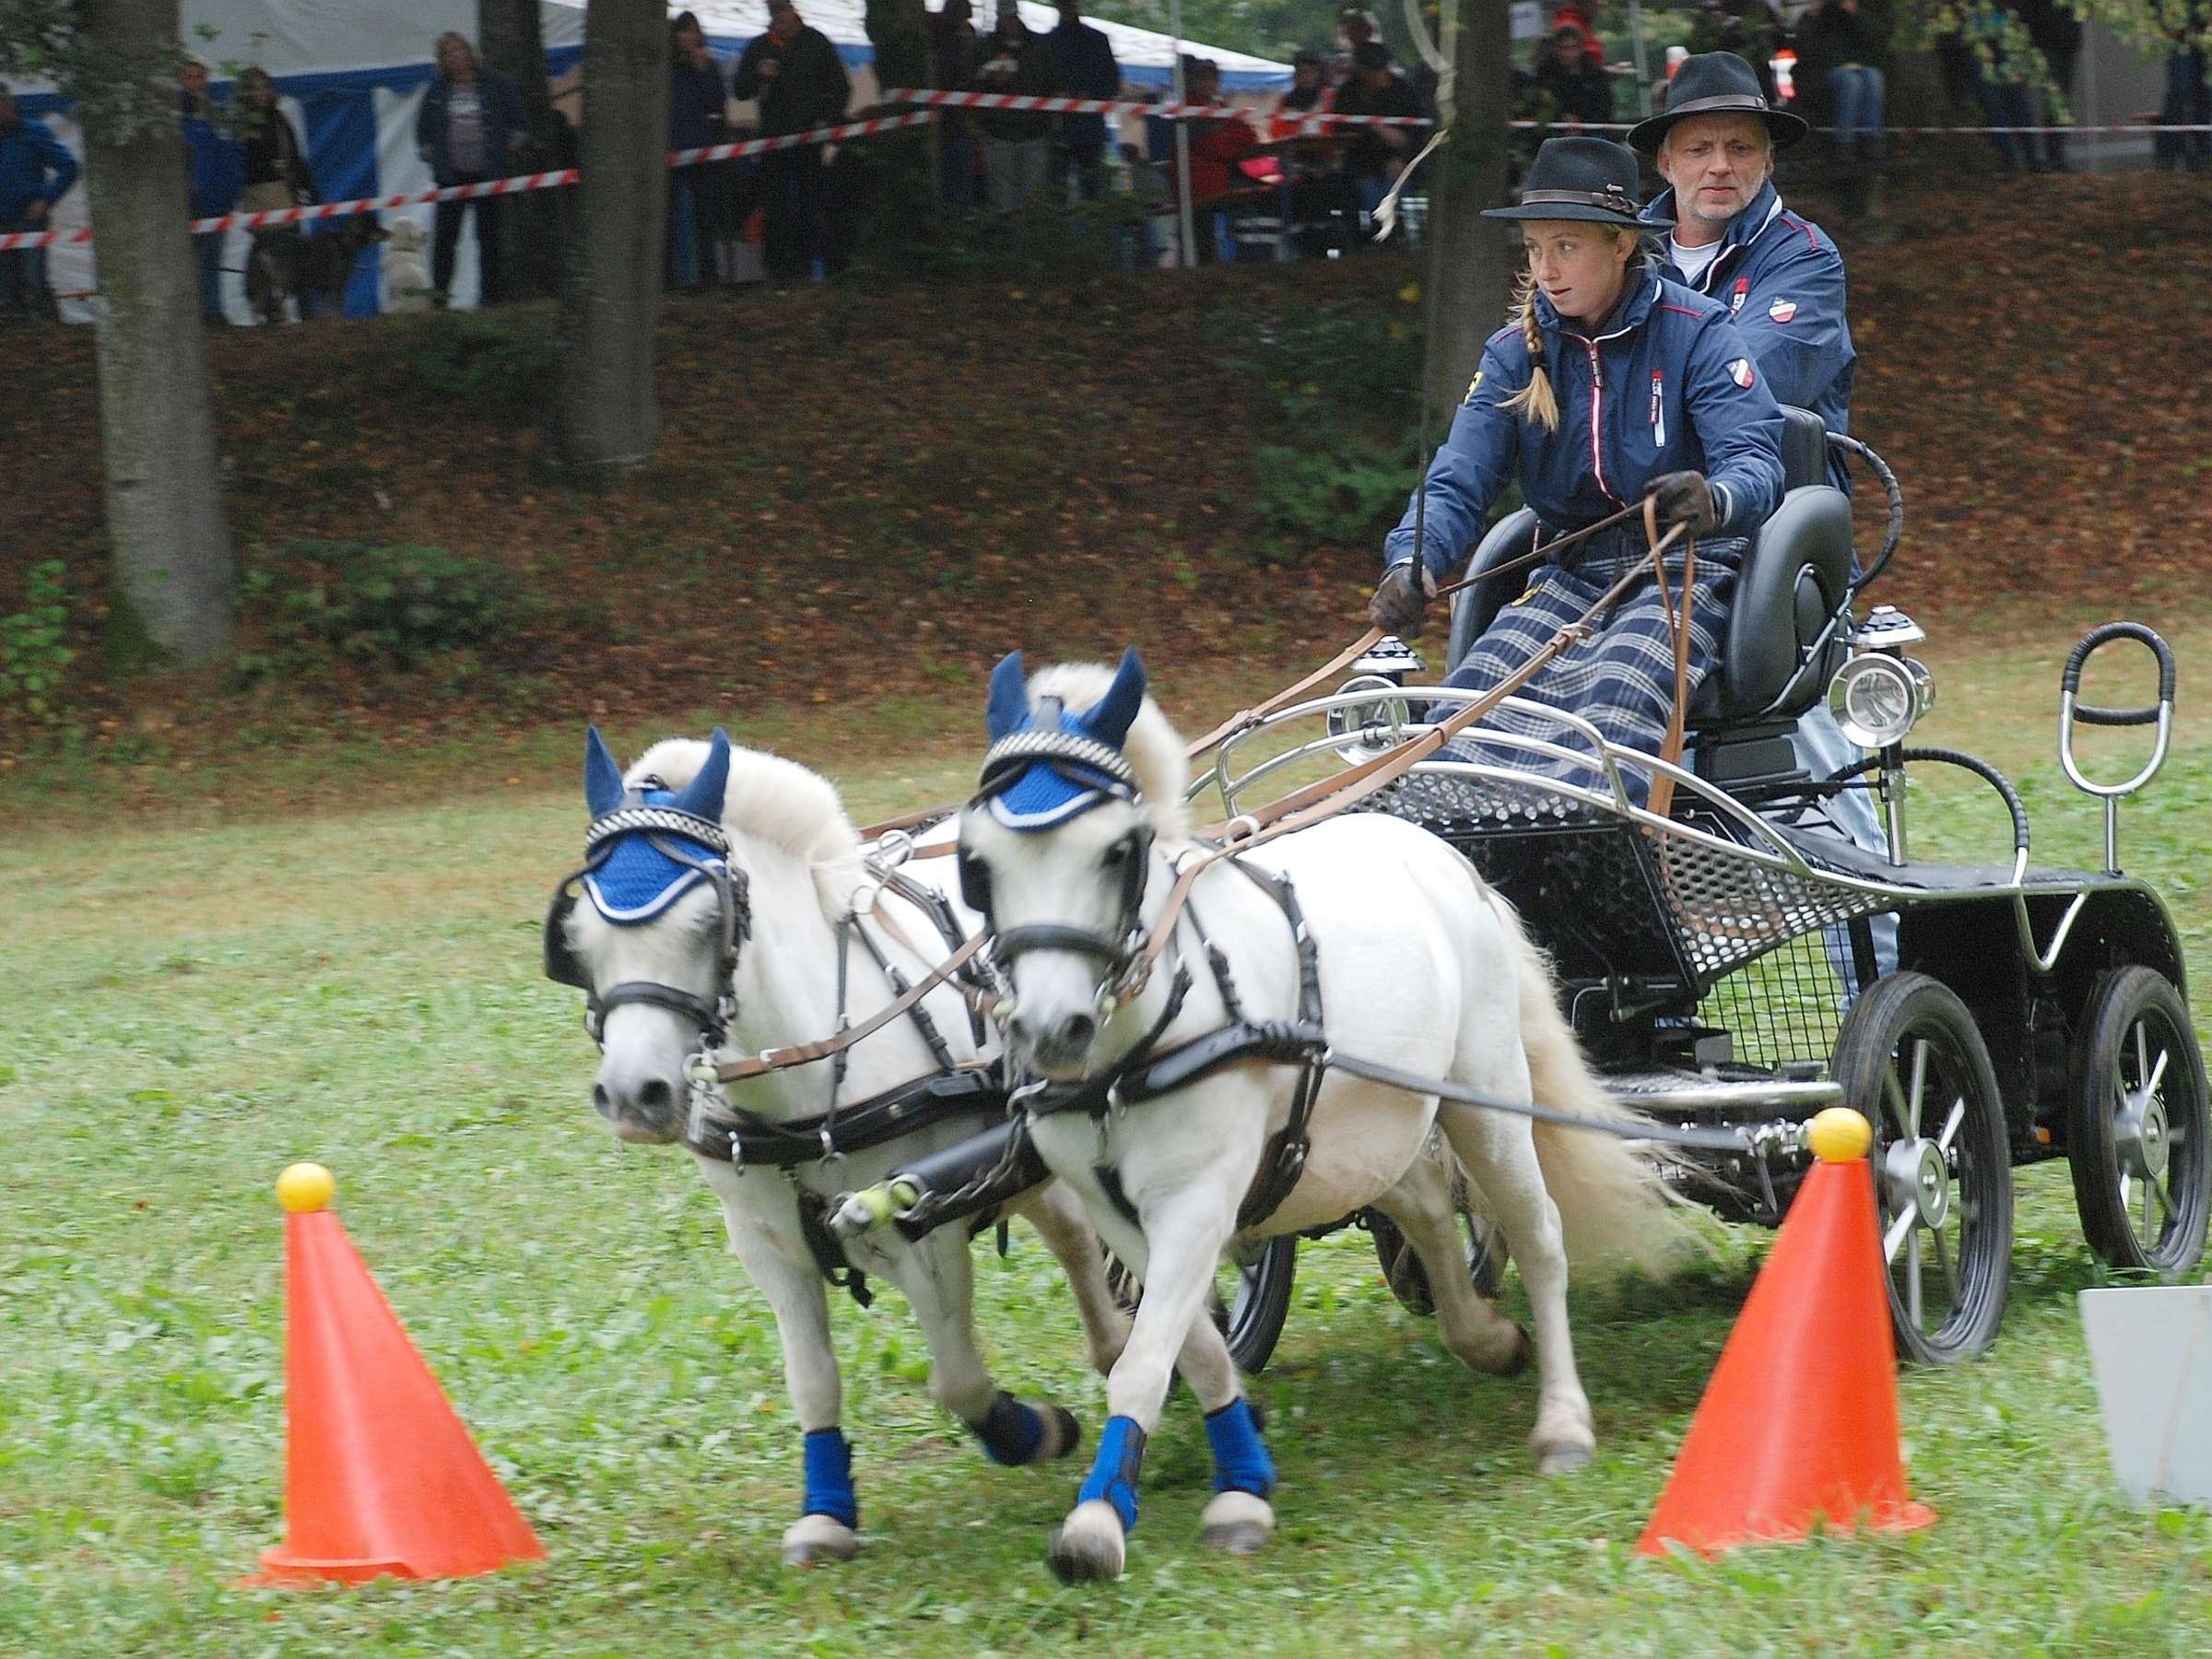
[
  {"x": 1781, "y": 279},
  {"x": 1665, "y": 384}
]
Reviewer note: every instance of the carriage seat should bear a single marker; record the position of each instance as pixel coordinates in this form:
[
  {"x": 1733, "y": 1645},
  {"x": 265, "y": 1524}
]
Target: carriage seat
[{"x": 1794, "y": 575}]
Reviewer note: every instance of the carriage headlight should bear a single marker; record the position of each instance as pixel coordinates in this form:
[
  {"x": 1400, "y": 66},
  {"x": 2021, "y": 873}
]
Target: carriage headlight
[
  {"x": 1877, "y": 698},
  {"x": 1374, "y": 727}
]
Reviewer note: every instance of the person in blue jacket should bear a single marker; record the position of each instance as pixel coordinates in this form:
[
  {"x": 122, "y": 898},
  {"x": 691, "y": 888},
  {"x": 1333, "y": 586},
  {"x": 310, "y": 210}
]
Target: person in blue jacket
[
  {"x": 1779, "y": 276},
  {"x": 465, "y": 132},
  {"x": 36, "y": 171},
  {"x": 215, "y": 171},
  {"x": 1611, "y": 385}
]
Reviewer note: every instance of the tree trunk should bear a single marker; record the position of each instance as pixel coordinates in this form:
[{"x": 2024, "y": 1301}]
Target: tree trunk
[
  {"x": 611, "y": 289},
  {"x": 168, "y": 540},
  {"x": 1470, "y": 258},
  {"x": 510, "y": 36}
]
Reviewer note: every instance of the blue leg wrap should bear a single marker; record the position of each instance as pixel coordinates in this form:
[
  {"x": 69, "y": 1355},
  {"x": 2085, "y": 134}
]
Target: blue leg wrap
[
  {"x": 1011, "y": 1431},
  {"x": 830, "y": 1478},
  {"x": 1114, "y": 1471},
  {"x": 1241, "y": 1460}
]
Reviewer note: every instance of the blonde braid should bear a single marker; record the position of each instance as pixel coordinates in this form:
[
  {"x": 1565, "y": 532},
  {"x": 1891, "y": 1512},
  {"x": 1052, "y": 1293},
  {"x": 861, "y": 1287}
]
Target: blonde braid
[{"x": 1536, "y": 399}]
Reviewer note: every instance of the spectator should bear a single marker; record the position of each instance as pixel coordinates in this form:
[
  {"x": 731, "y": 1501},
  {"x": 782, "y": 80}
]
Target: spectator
[
  {"x": 1844, "y": 49},
  {"x": 465, "y": 129},
  {"x": 952, "y": 59},
  {"x": 1376, "y": 155},
  {"x": 35, "y": 174},
  {"x": 215, "y": 172},
  {"x": 1013, "y": 60},
  {"x": 1355, "y": 27},
  {"x": 1995, "y": 52},
  {"x": 1085, "y": 59},
  {"x": 793, "y": 71},
  {"x": 1217, "y": 144},
  {"x": 1571, "y": 83},
  {"x": 2188, "y": 99},
  {"x": 2056, "y": 32},
  {"x": 1750, "y": 28},
  {"x": 1576, "y": 14},
  {"x": 1307, "y": 91},
  {"x": 277, "y": 177},
  {"x": 698, "y": 196}
]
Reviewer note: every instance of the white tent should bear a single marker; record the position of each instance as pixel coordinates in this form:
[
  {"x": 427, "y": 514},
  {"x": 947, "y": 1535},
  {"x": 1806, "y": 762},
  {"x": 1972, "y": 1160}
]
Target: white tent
[{"x": 352, "y": 73}]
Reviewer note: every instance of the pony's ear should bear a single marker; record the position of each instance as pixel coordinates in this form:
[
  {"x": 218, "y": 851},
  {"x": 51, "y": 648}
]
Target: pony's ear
[
  {"x": 602, "y": 775},
  {"x": 1008, "y": 711},
  {"x": 704, "y": 795},
  {"x": 1110, "y": 721}
]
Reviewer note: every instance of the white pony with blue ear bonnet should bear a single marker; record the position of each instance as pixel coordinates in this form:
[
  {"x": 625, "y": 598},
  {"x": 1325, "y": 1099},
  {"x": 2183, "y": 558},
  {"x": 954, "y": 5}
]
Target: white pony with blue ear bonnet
[
  {"x": 1070, "y": 848},
  {"x": 708, "y": 917}
]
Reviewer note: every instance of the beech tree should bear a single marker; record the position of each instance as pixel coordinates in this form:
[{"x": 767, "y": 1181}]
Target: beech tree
[
  {"x": 1470, "y": 258},
  {"x": 170, "y": 558},
  {"x": 611, "y": 287}
]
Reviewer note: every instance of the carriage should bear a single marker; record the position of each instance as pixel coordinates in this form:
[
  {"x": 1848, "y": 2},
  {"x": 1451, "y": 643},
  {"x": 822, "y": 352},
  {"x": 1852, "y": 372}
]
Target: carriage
[{"x": 1739, "y": 961}]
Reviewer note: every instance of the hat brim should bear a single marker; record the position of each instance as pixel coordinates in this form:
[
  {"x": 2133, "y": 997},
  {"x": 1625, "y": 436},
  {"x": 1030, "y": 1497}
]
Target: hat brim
[
  {"x": 1784, "y": 128},
  {"x": 1576, "y": 211}
]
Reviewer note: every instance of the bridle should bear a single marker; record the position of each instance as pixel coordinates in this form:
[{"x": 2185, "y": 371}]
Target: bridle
[{"x": 734, "y": 916}]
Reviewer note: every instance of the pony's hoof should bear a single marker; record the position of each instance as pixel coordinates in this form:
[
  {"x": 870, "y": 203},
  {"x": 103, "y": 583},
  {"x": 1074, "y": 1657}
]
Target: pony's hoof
[
  {"x": 1563, "y": 1457},
  {"x": 1237, "y": 1523},
  {"x": 1088, "y": 1547},
  {"x": 1063, "y": 1433},
  {"x": 812, "y": 1540}
]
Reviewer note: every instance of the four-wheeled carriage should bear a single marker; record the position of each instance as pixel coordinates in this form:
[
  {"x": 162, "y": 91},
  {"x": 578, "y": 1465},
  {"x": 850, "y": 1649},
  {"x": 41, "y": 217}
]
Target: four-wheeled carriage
[{"x": 1740, "y": 961}]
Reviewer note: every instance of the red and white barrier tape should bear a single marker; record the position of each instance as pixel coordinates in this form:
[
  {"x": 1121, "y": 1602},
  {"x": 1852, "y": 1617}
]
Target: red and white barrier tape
[
  {"x": 1109, "y": 106},
  {"x": 489, "y": 187}
]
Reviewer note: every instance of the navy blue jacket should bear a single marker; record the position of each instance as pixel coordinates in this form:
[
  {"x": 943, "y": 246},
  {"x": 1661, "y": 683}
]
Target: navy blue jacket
[
  {"x": 503, "y": 117},
  {"x": 215, "y": 163},
  {"x": 1665, "y": 385},
  {"x": 33, "y": 167},
  {"x": 1781, "y": 280},
  {"x": 1084, "y": 57}
]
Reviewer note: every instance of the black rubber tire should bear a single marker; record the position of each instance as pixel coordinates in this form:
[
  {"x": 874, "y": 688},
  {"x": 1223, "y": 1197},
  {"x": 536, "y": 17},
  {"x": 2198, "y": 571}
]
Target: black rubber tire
[
  {"x": 1251, "y": 1318},
  {"x": 2107, "y": 1060},
  {"x": 1894, "y": 1019},
  {"x": 1407, "y": 1275}
]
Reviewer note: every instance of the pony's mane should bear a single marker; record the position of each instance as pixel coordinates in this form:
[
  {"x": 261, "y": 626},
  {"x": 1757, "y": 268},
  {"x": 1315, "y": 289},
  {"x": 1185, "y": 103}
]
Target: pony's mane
[
  {"x": 776, "y": 801},
  {"x": 1155, "y": 751}
]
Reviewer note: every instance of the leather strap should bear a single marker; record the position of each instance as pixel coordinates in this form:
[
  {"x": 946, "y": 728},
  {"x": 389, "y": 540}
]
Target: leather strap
[
  {"x": 807, "y": 1054},
  {"x": 1661, "y": 799}
]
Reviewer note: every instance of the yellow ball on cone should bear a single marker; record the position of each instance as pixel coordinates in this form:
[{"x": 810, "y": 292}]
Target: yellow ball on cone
[{"x": 306, "y": 1187}]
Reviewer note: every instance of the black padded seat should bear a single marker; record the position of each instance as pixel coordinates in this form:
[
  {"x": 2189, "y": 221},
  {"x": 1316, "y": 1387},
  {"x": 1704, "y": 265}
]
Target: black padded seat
[{"x": 1794, "y": 574}]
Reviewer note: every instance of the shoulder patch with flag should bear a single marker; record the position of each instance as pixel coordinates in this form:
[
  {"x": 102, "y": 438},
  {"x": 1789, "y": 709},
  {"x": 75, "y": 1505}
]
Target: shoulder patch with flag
[
  {"x": 1742, "y": 374},
  {"x": 1473, "y": 386},
  {"x": 1781, "y": 311}
]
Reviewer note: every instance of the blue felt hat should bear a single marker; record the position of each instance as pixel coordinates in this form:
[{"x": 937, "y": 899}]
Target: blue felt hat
[
  {"x": 1046, "y": 765},
  {"x": 636, "y": 880}
]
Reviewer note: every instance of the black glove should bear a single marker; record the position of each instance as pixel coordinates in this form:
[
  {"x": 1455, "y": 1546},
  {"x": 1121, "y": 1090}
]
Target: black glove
[
  {"x": 1398, "y": 601},
  {"x": 1684, "y": 498}
]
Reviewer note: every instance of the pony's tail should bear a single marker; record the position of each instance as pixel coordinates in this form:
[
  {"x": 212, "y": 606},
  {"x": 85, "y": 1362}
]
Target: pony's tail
[{"x": 1613, "y": 1209}]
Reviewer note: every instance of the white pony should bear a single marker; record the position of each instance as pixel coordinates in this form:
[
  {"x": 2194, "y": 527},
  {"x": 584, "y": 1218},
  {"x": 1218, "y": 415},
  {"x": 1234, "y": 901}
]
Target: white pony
[
  {"x": 643, "y": 932},
  {"x": 1420, "y": 966}
]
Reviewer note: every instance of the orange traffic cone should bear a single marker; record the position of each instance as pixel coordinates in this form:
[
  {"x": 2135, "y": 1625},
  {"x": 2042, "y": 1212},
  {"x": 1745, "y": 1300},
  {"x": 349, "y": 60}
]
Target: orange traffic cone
[
  {"x": 381, "y": 1478},
  {"x": 1799, "y": 1424}
]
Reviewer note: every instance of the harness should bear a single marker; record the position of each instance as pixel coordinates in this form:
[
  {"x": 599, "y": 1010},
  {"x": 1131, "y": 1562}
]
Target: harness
[{"x": 729, "y": 1134}]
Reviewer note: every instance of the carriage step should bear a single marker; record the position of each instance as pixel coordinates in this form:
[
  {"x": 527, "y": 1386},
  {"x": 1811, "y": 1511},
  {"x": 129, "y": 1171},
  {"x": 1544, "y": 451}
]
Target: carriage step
[{"x": 1659, "y": 1093}]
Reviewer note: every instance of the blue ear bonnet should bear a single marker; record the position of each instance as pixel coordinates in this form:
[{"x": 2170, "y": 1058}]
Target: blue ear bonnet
[
  {"x": 1046, "y": 766},
  {"x": 640, "y": 840}
]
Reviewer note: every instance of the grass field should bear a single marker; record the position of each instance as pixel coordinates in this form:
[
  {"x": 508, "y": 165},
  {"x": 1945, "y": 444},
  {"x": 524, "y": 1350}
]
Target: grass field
[{"x": 263, "y": 966}]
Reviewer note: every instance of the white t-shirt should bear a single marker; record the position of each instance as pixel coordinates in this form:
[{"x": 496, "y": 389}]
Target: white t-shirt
[{"x": 1693, "y": 262}]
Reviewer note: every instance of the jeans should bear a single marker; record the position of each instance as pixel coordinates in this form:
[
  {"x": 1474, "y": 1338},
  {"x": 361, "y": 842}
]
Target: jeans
[
  {"x": 446, "y": 241},
  {"x": 2005, "y": 103},
  {"x": 1858, "y": 93},
  {"x": 1013, "y": 171},
  {"x": 23, "y": 274},
  {"x": 1086, "y": 159},
  {"x": 207, "y": 252},
  {"x": 956, "y": 168}
]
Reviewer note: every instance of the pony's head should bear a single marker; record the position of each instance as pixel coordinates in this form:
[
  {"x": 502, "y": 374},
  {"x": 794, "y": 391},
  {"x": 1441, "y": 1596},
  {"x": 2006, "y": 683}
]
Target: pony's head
[
  {"x": 651, "y": 926},
  {"x": 1083, "y": 777}
]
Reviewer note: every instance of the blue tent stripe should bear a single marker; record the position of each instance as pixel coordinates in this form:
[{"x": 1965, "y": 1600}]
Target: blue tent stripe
[{"x": 341, "y": 149}]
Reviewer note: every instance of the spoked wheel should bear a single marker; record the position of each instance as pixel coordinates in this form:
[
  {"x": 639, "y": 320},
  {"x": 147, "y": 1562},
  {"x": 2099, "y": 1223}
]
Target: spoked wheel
[
  {"x": 2137, "y": 1125},
  {"x": 1251, "y": 1298},
  {"x": 1909, "y": 1059},
  {"x": 1408, "y": 1277}
]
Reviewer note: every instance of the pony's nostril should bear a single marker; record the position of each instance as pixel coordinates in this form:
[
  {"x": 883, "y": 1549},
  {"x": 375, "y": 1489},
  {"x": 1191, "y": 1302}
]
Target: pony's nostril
[
  {"x": 654, "y": 1095},
  {"x": 1078, "y": 1029},
  {"x": 600, "y": 1098}
]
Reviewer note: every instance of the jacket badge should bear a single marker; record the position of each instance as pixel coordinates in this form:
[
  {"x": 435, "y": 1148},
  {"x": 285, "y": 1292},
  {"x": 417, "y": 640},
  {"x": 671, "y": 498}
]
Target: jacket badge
[
  {"x": 1781, "y": 311},
  {"x": 1473, "y": 386},
  {"x": 1742, "y": 374},
  {"x": 1742, "y": 293}
]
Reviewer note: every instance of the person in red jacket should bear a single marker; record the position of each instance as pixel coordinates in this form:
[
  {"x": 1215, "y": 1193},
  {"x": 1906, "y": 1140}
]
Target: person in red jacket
[{"x": 1217, "y": 144}]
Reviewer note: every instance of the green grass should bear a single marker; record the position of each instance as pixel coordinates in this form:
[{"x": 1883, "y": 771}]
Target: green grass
[{"x": 205, "y": 992}]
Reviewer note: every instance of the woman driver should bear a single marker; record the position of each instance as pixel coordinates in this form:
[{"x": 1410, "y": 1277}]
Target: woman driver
[{"x": 1608, "y": 385}]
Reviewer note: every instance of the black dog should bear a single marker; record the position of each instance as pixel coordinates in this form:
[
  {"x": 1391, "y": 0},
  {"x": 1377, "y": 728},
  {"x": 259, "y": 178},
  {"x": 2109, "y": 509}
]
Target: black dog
[{"x": 313, "y": 270}]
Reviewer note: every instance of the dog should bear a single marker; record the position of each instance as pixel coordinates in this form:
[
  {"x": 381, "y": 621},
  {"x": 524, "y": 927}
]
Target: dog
[
  {"x": 311, "y": 270},
  {"x": 407, "y": 278}
]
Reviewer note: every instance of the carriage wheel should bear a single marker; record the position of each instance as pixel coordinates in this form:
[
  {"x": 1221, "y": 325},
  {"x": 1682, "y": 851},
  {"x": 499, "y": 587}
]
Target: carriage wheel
[
  {"x": 1404, "y": 1271},
  {"x": 2138, "y": 1126},
  {"x": 1251, "y": 1298},
  {"x": 1911, "y": 1060}
]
